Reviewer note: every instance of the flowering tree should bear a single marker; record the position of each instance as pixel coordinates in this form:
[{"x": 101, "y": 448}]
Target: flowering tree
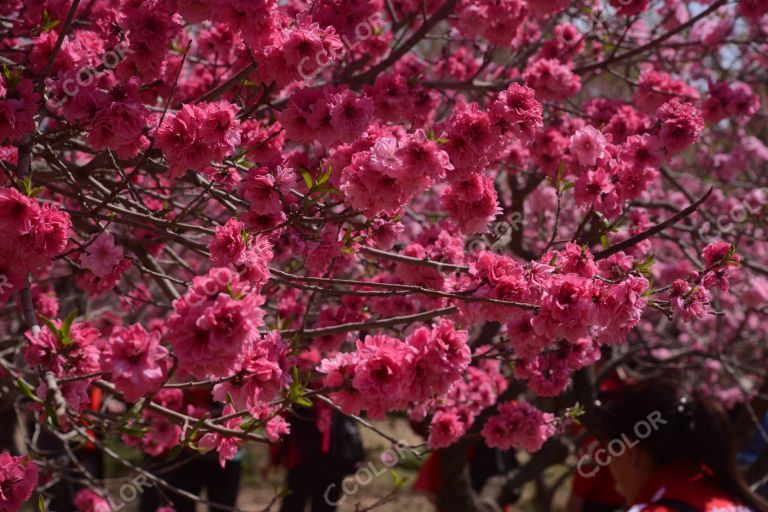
[{"x": 446, "y": 207}]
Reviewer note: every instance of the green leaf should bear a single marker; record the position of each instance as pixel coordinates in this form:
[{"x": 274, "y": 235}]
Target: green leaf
[
  {"x": 175, "y": 452},
  {"x": 248, "y": 425},
  {"x": 135, "y": 410},
  {"x": 48, "y": 26},
  {"x": 27, "y": 390},
  {"x": 46, "y": 23},
  {"x": 40, "y": 503},
  {"x": 51, "y": 416},
  {"x": 398, "y": 479},
  {"x": 567, "y": 186},
  {"x": 326, "y": 175},
  {"x": 195, "y": 429},
  {"x": 307, "y": 177},
  {"x": 135, "y": 432},
  {"x": 51, "y": 327},
  {"x": 553, "y": 260},
  {"x": 26, "y": 185},
  {"x": 296, "y": 393},
  {"x": 65, "y": 328}
]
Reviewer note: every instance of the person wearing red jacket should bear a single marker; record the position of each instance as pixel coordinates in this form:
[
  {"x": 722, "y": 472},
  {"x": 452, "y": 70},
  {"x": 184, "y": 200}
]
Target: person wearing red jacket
[{"x": 671, "y": 453}]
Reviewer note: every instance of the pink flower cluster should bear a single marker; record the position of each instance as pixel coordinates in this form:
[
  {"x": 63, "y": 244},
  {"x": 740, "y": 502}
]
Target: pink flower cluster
[
  {"x": 299, "y": 50},
  {"x": 681, "y": 124},
  {"x": 162, "y": 434},
  {"x": 32, "y": 234},
  {"x": 214, "y": 325},
  {"x": 518, "y": 425},
  {"x": 551, "y": 79},
  {"x": 71, "y": 351},
  {"x": 386, "y": 373},
  {"x": 326, "y": 114},
  {"x": 18, "y": 478},
  {"x": 456, "y": 411},
  {"x": 226, "y": 446},
  {"x": 475, "y": 138},
  {"x": 232, "y": 246},
  {"x": 384, "y": 178},
  {"x": 198, "y": 134},
  {"x": 576, "y": 310},
  {"x": 101, "y": 256},
  {"x": 268, "y": 193},
  {"x": 730, "y": 100},
  {"x": 18, "y": 105},
  {"x": 496, "y": 21},
  {"x": 656, "y": 88},
  {"x": 472, "y": 203},
  {"x": 119, "y": 121},
  {"x": 135, "y": 360},
  {"x": 86, "y": 500},
  {"x": 264, "y": 374}
]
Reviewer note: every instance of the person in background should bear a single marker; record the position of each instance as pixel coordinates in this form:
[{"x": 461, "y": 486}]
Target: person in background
[
  {"x": 194, "y": 472},
  {"x": 751, "y": 453},
  {"x": 484, "y": 463},
  {"x": 89, "y": 457},
  {"x": 322, "y": 448},
  {"x": 593, "y": 488},
  {"x": 685, "y": 461}
]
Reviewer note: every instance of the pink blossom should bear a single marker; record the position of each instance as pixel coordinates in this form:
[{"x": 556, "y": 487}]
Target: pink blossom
[
  {"x": 629, "y": 7},
  {"x": 422, "y": 158},
  {"x": 445, "y": 429},
  {"x": 442, "y": 356},
  {"x": 516, "y": 110},
  {"x": 229, "y": 244},
  {"x": 551, "y": 79},
  {"x": 18, "y": 478},
  {"x": 681, "y": 124},
  {"x": 689, "y": 301},
  {"x": 588, "y": 145},
  {"x": 87, "y": 500},
  {"x": 119, "y": 126},
  {"x": 564, "y": 309},
  {"x": 18, "y": 106},
  {"x": 383, "y": 372},
  {"x": 263, "y": 376},
  {"x": 472, "y": 203},
  {"x": 496, "y": 21},
  {"x": 720, "y": 253},
  {"x": 577, "y": 259},
  {"x": 518, "y": 425},
  {"x": 197, "y": 135},
  {"x": 656, "y": 88},
  {"x": 595, "y": 189},
  {"x": 214, "y": 324},
  {"x": 350, "y": 114},
  {"x": 101, "y": 255},
  {"x": 641, "y": 151},
  {"x": 226, "y": 446},
  {"x": 17, "y": 212},
  {"x": 471, "y": 142},
  {"x": 136, "y": 361}
]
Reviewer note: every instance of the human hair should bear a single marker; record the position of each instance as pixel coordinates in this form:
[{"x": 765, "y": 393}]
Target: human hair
[{"x": 689, "y": 427}]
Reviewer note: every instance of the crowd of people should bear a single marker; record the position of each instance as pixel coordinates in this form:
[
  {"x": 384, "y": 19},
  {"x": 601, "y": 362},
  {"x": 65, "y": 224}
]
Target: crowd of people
[{"x": 663, "y": 450}]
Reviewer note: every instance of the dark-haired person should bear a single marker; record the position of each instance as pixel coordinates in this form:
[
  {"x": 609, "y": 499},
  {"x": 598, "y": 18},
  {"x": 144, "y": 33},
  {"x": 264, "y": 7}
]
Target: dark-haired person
[{"x": 670, "y": 452}]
